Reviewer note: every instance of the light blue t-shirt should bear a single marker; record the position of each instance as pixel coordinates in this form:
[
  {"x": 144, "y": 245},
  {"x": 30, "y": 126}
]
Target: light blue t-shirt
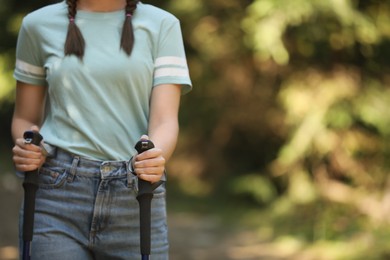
[{"x": 99, "y": 107}]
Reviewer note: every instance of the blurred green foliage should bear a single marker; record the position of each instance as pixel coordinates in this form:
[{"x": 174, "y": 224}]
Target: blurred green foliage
[{"x": 289, "y": 115}]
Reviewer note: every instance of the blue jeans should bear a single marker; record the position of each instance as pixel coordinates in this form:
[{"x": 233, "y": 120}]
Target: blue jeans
[{"x": 87, "y": 209}]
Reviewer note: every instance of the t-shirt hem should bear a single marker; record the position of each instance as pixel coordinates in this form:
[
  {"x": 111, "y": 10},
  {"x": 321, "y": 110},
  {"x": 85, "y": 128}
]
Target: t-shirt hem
[{"x": 186, "y": 85}]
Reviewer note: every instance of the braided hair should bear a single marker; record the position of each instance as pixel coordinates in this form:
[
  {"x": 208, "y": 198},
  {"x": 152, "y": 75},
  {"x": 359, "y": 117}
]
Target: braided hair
[
  {"x": 127, "y": 40},
  {"x": 75, "y": 43}
]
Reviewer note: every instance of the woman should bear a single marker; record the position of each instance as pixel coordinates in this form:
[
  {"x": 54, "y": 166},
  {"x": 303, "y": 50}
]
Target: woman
[{"x": 93, "y": 77}]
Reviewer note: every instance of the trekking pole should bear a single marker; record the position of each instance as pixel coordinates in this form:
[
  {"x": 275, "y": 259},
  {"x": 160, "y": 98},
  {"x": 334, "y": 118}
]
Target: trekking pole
[
  {"x": 30, "y": 185},
  {"x": 144, "y": 197}
]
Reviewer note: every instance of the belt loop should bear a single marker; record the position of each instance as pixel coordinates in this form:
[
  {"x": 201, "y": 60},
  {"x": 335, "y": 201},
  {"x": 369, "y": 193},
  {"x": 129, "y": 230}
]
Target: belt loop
[
  {"x": 73, "y": 168},
  {"x": 132, "y": 182}
]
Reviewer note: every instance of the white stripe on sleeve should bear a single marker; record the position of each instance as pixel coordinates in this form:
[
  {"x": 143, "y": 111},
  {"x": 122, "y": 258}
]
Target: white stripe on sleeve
[
  {"x": 169, "y": 61},
  {"x": 29, "y": 68},
  {"x": 171, "y": 72}
]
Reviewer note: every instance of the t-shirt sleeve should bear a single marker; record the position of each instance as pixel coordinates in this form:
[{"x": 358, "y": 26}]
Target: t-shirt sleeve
[
  {"x": 29, "y": 66},
  {"x": 170, "y": 64}
]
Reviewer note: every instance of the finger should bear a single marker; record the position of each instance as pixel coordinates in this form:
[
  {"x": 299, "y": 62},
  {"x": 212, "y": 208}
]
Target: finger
[
  {"x": 27, "y": 151},
  {"x": 34, "y": 128},
  {"x": 157, "y": 170},
  {"x": 27, "y": 164},
  {"x": 21, "y": 143},
  {"x": 155, "y": 162},
  {"x": 144, "y": 137},
  {"x": 24, "y": 160},
  {"x": 36, "y": 159},
  {"x": 26, "y": 168},
  {"x": 149, "y": 154}
]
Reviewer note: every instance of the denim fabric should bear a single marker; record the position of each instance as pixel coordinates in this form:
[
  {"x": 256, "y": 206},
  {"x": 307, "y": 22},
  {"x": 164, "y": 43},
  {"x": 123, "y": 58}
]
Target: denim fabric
[{"x": 87, "y": 209}]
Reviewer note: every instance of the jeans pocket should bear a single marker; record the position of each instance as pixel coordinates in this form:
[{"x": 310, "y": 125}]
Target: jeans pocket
[{"x": 51, "y": 177}]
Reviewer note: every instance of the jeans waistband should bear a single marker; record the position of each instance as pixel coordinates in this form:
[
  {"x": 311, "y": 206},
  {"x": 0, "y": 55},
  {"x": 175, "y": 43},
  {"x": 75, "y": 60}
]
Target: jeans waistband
[{"x": 87, "y": 166}]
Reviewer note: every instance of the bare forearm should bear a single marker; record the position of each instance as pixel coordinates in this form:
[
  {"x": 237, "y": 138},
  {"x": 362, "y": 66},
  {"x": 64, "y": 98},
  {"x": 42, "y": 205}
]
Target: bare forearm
[
  {"x": 29, "y": 107},
  {"x": 164, "y": 136},
  {"x": 163, "y": 131},
  {"x": 19, "y": 126}
]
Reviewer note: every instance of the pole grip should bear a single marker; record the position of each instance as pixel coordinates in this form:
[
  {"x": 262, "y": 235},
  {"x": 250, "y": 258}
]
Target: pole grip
[
  {"x": 30, "y": 185},
  {"x": 144, "y": 197}
]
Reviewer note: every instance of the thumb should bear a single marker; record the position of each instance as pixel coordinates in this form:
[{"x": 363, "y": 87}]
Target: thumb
[
  {"x": 144, "y": 137},
  {"x": 34, "y": 128}
]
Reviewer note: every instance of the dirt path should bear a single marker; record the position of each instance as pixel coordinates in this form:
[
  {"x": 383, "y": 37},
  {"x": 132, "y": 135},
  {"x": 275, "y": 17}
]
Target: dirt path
[{"x": 192, "y": 236}]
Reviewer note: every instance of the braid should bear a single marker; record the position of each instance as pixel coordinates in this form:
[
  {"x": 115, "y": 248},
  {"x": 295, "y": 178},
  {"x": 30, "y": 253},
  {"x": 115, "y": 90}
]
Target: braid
[
  {"x": 74, "y": 43},
  {"x": 127, "y": 40},
  {"x": 72, "y": 8}
]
